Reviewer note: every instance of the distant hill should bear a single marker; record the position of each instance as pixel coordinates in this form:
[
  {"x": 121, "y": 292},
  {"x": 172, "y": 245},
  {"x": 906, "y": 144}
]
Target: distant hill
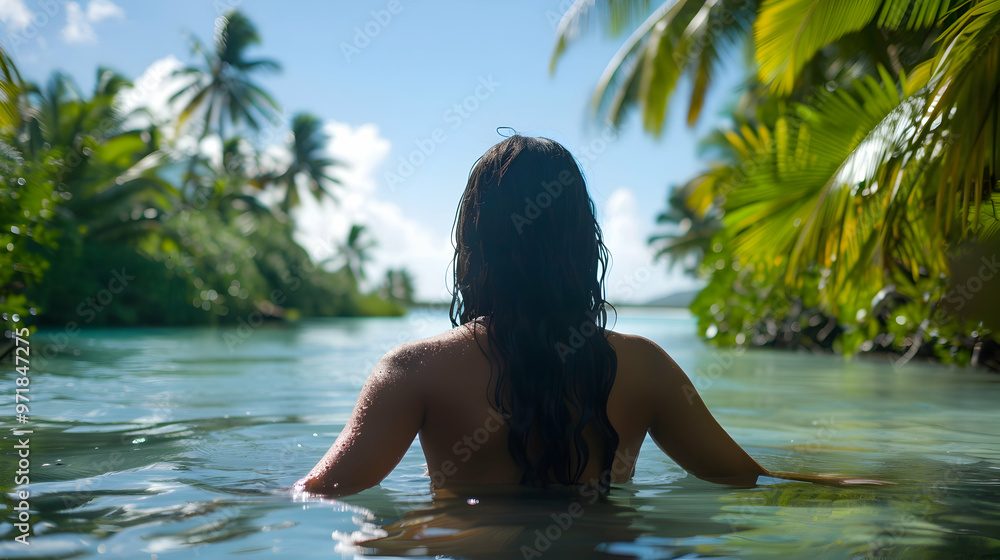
[{"x": 676, "y": 299}]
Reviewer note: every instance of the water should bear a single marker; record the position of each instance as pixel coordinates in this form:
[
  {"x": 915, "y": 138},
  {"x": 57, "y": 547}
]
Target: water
[{"x": 181, "y": 443}]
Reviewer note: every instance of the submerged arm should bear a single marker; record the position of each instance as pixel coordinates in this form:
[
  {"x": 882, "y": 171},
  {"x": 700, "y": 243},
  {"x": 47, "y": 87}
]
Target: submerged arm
[
  {"x": 684, "y": 429},
  {"x": 386, "y": 418}
]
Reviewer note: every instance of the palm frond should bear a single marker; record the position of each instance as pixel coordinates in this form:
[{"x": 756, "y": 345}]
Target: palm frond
[{"x": 616, "y": 15}]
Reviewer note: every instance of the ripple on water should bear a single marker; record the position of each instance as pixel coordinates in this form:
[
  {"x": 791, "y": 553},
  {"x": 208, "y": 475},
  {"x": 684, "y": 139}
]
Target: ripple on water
[{"x": 166, "y": 442}]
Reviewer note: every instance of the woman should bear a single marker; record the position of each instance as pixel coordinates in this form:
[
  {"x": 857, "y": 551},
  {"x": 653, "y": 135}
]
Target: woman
[{"x": 529, "y": 387}]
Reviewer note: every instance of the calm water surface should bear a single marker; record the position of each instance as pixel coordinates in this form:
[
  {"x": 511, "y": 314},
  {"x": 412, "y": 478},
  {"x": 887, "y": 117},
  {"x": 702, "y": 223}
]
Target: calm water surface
[{"x": 181, "y": 443}]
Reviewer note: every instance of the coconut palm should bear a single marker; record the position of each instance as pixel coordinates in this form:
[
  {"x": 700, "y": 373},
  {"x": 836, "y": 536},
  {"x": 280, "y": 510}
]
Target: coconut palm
[
  {"x": 310, "y": 163},
  {"x": 221, "y": 89},
  {"x": 107, "y": 177},
  {"x": 397, "y": 286},
  {"x": 692, "y": 231},
  {"x": 227, "y": 183},
  {"x": 868, "y": 182},
  {"x": 354, "y": 252},
  {"x": 679, "y": 37},
  {"x": 890, "y": 171},
  {"x": 10, "y": 90},
  {"x": 10, "y": 103},
  {"x": 688, "y": 36}
]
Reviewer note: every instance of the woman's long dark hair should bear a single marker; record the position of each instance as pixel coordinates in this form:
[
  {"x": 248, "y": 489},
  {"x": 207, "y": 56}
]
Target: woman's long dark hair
[{"x": 530, "y": 264}]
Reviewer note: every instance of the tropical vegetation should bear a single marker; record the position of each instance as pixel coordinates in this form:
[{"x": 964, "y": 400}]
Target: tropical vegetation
[
  {"x": 851, "y": 199},
  {"x": 113, "y": 216}
]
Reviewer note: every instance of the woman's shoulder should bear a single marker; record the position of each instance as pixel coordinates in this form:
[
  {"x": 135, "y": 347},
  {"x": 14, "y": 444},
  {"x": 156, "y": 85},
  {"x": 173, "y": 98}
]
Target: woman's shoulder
[
  {"x": 432, "y": 349},
  {"x": 634, "y": 352},
  {"x": 462, "y": 337},
  {"x": 644, "y": 361},
  {"x": 634, "y": 345}
]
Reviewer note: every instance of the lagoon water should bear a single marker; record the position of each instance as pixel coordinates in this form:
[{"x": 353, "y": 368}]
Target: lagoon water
[{"x": 182, "y": 443}]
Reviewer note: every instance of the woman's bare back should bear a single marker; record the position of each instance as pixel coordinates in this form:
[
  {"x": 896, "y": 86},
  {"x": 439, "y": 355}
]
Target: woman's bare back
[
  {"x": 439, "y": 388},
  {"x": 527, "y": 275},
  {"x": 464, "y": 437}
]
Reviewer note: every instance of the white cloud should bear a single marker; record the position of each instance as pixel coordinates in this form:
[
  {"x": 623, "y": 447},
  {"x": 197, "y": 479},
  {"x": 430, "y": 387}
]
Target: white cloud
[
  {"x": 15, "y": 15},
  {"x": 79, "y": 22},
  {"x": 403, "y": 241},
  {"x": 635, "y": 277},
  {"x": 152, "y": 90},
  {"x": 99, "y": 10},
  {"x": 425, "y": 250},
  {"x": 78, "y": 29}
]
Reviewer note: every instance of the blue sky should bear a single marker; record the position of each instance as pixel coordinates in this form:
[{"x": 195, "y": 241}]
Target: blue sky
[{"x": 441, "y": 75}]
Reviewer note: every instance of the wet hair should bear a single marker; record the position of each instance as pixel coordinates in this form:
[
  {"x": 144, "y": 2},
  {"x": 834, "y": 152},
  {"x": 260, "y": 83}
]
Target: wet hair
[{"x": 530, "y": 264}]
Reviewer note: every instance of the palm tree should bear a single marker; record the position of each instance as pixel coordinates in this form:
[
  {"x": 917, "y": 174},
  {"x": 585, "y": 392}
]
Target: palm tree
[
  {"x": 688, "y": 36},
  {"x": 10, "y": 91},
  {"x": 693, "y": 231},
  {"x": 310, "y": 162},
  {"x": 867, "y": 155},
  {"x": 227, "y": 184},
  {"x": 677, "y": 37},
  {"x": 222, "y": 89},
  {"x": 397, "y": 286},
  {"x": 107, "y": 177},
  {"x": 354, "y": 252}
]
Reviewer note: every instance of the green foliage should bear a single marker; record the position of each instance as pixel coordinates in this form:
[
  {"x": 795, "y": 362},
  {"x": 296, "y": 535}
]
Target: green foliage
[
  {"x": 222, "y": 87},
  {"x": 397, "y": 287},
  {"x": 309, "y": 164},
  {"x": 108, "y": 225},
  {"x": 863, "y": 156},
  {"x": 677, "y": 38}
]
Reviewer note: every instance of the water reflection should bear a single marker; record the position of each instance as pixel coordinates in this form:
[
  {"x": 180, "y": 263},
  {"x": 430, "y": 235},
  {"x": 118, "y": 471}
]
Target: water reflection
[
  {"x": 937, "y": 508},
  {"x": 487, "y": 522},
  {"x": 166, "y": 442}
]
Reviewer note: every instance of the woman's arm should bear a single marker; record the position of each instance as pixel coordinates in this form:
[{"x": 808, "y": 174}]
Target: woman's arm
[
  {"x": 386, "y": 418},
  {"x": 684, "y": 429}
]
